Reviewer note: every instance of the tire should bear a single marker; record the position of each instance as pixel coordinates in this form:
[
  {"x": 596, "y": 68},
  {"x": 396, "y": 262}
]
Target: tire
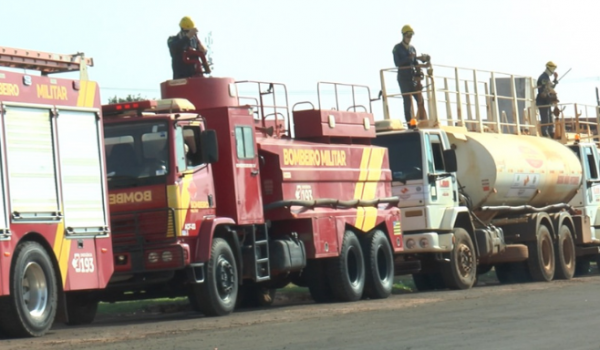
[
  {"x": 461, "y": 271},
  {"x": 509, "y": 273},
  {"x": 217, "y": 295},
  {"x": 315, "y": 276},
  {"x": 379, "y": 263},
  {"x": 30, "y": 309},
  {"x": 426, "y": 282},
  {"x": 81, "y": 308},
  {"x": 565, "y": 254},
  {"x": 251, "y": 295},
  {"x": 346, "y": 272},
  {"x": 582, "y": 267},
  {"x": 541, "y": 263}
]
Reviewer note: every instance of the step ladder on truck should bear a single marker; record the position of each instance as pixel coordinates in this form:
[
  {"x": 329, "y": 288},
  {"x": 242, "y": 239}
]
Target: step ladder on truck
[
  {"x": 54, "y": 232},
  {"x": 479, "y": 186}
]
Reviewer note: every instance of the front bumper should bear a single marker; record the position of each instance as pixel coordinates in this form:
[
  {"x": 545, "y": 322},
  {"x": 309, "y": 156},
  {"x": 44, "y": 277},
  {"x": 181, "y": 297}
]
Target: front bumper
[{"x": 428, "y": 242}]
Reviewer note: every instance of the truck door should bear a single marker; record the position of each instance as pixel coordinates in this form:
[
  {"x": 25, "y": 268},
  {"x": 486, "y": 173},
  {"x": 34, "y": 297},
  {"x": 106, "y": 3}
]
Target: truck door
[
  {"x": 592, "y": 186},
  {"x": 440, "y": 185},
  {"x": 249, "y": 200},
  {"x": 196, "y": 176}
]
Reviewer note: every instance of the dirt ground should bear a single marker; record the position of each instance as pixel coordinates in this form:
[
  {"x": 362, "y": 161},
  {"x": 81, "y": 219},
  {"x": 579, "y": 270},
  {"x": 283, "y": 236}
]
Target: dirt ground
[{"x": 174, "y": 324}]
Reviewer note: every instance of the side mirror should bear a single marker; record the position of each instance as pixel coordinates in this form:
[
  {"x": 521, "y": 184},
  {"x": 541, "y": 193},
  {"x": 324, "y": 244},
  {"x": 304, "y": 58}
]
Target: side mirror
[
  {"x": 450, "y": 160},
  {"x": 209, "y": 146}
]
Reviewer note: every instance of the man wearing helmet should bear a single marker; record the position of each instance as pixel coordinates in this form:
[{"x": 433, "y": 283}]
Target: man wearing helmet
[
  {"x": 405, "y": 58},
  {"x": 545, "y": 97},
  {"x": 178, "y": 44}
]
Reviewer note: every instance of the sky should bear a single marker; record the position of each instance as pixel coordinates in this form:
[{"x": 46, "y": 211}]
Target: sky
[{"x": 300, "y": 43}]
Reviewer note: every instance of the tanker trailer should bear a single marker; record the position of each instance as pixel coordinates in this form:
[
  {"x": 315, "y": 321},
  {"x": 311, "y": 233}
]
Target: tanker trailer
[{"x": 471, "y": 201}]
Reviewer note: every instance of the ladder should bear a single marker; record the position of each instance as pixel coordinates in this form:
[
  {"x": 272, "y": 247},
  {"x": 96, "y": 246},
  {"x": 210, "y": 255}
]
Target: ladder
[
  {"x": 261, "y": 268},
  {"x": 45, "y": 62}
]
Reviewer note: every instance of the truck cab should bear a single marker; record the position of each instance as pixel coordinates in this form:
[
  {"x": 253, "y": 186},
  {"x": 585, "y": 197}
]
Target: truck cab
[
  {"x": 587, "y": 200},
  {"x": 422, "y": 165},
  {"x": 160, "y": 185}
]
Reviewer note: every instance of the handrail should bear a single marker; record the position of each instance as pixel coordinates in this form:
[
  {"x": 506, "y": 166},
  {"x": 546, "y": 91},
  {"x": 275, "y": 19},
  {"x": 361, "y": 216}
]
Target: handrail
[
  {"x": 353, "y": 88},
  {"x": 483, "y": 101},
  {"x": 265, "y": 110}
]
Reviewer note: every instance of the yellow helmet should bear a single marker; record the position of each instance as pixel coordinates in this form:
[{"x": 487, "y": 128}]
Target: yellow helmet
[
  {"x": 551, "y": 65},
  {"x": 407, "y": 29},
  {"x": 186, "y": 23}
]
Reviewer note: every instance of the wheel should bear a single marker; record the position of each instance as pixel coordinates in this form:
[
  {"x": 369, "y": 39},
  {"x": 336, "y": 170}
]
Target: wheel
[
  {"x": 461, "y": 271},
  {"x": 217, "y": 295},
  {"x": 509, "y": 273},
  {"x": 30, "y": 309},
  {"x": 425, "y": 282},
  {"x": 379, "y": 263},
  {"x": 251, "y": 294},
  {"x": 582, "y": 267},
  {"x": 81, "y": 308},
  {"x": 315, "y": 275},
  {"x": 541, "y": 264},
  {"x": 565, "y": 254},
  {"x": 346, "y": 272}
]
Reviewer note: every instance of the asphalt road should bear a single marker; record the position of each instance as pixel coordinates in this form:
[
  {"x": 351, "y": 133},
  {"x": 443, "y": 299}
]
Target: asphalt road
[{"x": 557, "y": 315}]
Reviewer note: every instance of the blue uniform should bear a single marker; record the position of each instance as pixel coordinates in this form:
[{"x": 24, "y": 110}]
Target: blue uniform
[
  {"x": 543, "y": 100},
  {"x": 406, "y": 76},
  {"x": 177, "y": 46}
]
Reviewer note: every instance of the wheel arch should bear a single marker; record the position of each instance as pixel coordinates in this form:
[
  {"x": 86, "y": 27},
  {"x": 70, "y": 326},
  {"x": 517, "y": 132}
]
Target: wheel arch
[
  {"x": 463, "y": 220},
  {"x": 545, "y": 219},
  {"x": 564, "y": 218},
  {"x": 230, "y": 236},
  {"x": 61, "y": 310}
]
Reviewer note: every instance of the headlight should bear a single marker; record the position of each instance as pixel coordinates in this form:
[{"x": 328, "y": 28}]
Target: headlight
[
  {"x": 167, "y": 256},
  {"x": 424, "y": 243},
  {"x": 410, "y": 243},
  {"x": 153, "y": 257}
]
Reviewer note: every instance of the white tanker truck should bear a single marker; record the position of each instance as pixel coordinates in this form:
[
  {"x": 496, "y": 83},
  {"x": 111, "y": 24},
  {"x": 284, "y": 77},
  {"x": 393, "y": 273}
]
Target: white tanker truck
[{"x": 476, "y": 196}]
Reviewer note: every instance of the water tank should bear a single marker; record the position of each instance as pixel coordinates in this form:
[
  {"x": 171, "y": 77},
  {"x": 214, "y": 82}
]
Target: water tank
[
  {"x": 503, "y": 169},
  {"x": 203, "y": 92}
]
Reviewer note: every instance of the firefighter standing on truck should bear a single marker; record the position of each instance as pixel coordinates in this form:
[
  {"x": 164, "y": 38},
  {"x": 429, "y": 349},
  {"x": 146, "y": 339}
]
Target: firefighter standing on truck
[
  {"x": 545, "y": 97},
  {"x": 181, "y": 42},
  {"x": 405, "y": 58}
]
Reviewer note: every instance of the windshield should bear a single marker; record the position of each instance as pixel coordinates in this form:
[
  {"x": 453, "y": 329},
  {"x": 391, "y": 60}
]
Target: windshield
[
  {"x": 405, "y": 155},
  {"x": 136, "y": 152}
]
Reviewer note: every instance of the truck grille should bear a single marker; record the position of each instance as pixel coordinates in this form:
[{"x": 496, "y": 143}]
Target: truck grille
[{"x": 140, "y": 228}]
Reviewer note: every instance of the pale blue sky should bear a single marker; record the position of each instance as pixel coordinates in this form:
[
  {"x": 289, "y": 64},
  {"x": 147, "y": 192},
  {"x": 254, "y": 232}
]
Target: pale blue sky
[{"x": 301, "y": 42}]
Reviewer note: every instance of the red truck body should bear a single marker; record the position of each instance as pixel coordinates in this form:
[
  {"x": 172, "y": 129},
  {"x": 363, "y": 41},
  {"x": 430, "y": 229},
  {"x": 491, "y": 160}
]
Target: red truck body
[
  {"x": 237, "y": 204},
  {"x": 54, "y": 234}
]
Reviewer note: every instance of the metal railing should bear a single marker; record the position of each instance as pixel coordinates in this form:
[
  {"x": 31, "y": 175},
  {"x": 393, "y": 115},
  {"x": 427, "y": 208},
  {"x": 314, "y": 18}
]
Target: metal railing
[
  {"x": 265, "y": 98},
  {"x": 576, "y": 122},
  {"x": 481, "y": 101},
  {"x": 353, "y": 95}
]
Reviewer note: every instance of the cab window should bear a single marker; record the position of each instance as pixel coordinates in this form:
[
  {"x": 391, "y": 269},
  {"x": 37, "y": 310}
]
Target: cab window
[{"x": 244, "y": 142}]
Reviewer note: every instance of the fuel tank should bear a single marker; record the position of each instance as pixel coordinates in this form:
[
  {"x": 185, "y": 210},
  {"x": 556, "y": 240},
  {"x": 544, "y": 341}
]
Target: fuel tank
[
  {"x": 203, "y": 92},
  {"x": 502, "y": 169}
]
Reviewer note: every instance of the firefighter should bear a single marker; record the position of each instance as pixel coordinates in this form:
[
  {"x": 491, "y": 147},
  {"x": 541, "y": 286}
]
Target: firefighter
[
  {"x": 546, "y": 96},
  {"x": 178, "y": 44},
  {"x": 405, "y": 58}
]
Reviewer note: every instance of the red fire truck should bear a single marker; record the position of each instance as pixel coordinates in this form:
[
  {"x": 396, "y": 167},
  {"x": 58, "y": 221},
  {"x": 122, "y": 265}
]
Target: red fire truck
[
  {"x": 54, "y": 234},
  {"x": 231, "y": 220}
]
